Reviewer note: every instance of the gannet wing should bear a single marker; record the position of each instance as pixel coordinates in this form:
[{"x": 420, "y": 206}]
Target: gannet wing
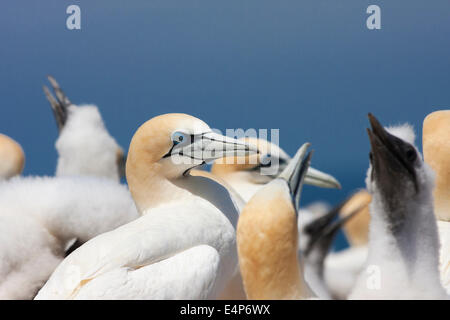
[
  {"x": 154, "y": 237},
  {"x": 190, "y": 274}
]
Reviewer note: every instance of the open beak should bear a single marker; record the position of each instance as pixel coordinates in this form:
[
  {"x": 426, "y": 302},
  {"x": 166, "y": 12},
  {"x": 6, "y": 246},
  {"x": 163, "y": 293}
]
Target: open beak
[
  {"x": 320, "y": 179},
  {"x": 389, "y": 158},
  {"x": 59, "y": 104},
  {"x": 210, "y": 146},
  {"x": 323, "y": 230},
  {"x": 295, "y": 173}
]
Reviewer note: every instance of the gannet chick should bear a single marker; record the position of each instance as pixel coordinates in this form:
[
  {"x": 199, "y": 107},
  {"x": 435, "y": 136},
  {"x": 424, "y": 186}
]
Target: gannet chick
[
  {"x": 436, "y": 151},
  {"x": 403, "y": 240},
  {"x": 12, "y": 157},
  {"x": 248, "y": 175},
  {"x": 343, "y": 267},
  {"x": 317, "y": 232},
  {"x": 39, "y": 218},
  {"x": 187, "y": 224},
  {"x": 267, "y": 237},
  {"x": 84, "y": 145}
]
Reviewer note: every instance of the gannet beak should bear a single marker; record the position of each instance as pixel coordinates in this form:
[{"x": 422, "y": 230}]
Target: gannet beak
[
  {"x": 324, "y": 229},
  {"x": 391, "y": 158},
  {"x": 321, "y": 179},
  {"x": 294, "y": 174},
  {"x": 58, "y": 105},
  {"x": 211, "y": 146}
]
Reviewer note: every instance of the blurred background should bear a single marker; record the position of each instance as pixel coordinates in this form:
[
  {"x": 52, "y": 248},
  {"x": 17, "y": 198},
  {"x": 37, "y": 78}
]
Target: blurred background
[{"x": 310, "y": 68}]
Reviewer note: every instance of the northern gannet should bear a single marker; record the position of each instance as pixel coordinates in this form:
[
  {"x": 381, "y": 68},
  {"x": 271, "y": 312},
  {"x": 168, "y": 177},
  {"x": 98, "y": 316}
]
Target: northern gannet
[
  {"x": 12, "y": 157},
  {"x": 343, "y": 267},
  {"x": 84, "y": 145},
  {"x": 40, "y": 217},
  {"x": 245, "y": 176},
  {"x": 436, "y": 151},
  {"x": 317, "y": 232},
  {"x": 44, "y": 218},
  {"x": 403, "y": 257},
  {"x": 183, "y": 246},
  {"x": 267, "y": 237}
]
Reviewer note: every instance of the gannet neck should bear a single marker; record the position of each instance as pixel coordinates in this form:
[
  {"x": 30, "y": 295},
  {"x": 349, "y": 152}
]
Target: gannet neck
[
  {"x": 411, "y": 252},
  {"x": 357, "y": 228},
  {"x": 436, "y": 151},
  {"x": 267, "y": 237},
  {"x": 12, "y": 157},
  {"x": 164, "y": 150},
  {"x": 403, "y": 239}
]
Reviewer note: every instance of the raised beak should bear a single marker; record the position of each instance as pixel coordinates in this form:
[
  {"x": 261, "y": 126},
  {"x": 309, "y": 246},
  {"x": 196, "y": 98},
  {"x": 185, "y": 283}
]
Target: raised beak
[
  {"x": 389, "y": 157},
  {"x": 211, "y": 146},
  {"x": 323, "y": 230},
  {"x": 59, "y": 104},
  {"x": 321, "y": 179},
  {"x": 294, "y": 174}
]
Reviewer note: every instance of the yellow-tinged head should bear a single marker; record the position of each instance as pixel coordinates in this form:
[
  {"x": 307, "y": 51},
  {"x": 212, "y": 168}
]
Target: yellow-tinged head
[
  {"x": 357, "y": 228},
  {"x": 267, "y": 237},
  {"x": 166, "y": 148},
  {"x": 268, "y": 154},
  {"x": 247, "y": 174},
  {"x": 12, "y": 157},
  {"x": 436, "y": 152}
]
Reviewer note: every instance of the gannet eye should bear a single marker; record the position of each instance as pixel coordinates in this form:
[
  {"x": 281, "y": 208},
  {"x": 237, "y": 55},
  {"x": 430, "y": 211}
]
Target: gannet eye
[
  {"x": 178, "y": 137},
  {"x": 411, "y": 155},
  {"x": 266, "y": 159}
]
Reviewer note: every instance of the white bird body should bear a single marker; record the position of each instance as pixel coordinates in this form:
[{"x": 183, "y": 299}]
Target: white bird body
[
  {"x": 403, "y": 255},
  {"x": 85, "y": 146},
  {"x": 342, "y": 269},
  {"x": 57, "y": 211},
  {"x": 444, "y": 235},
  {"x": 150, "y": 246},
  {"x": 41, "y": 215},
  {"x": 185, "y": 216}
]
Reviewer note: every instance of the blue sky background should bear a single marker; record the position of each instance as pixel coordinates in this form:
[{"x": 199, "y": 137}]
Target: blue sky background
[{"x": 310, "y": 68}]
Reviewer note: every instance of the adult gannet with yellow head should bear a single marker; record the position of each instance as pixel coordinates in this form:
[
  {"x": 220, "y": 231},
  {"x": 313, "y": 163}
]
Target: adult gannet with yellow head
[
  {"x": 183, "y": 246},
  {"x": 12, "y": 157},
  {"x": 267, "y": 237},
  {"x": 436, "y": 151},
  {"x": 403, "y": 256},
  {"x": 247, "y": 175}
]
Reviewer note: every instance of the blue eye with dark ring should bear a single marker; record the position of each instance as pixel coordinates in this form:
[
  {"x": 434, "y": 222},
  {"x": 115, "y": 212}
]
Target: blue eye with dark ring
[{"x": 178, "y": 137}]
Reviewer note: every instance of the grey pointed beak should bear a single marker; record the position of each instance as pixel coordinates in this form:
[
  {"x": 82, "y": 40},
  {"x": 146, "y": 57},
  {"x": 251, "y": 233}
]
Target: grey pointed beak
[
  {"x": 210, "y": 146},
  {"x": 323, "y": 230},
  {"x": 389, "y": 158},
  {"x": 295, "y": 173},
  {"x": 321, "y": 179},
  {"x": 59, "y": 104}
]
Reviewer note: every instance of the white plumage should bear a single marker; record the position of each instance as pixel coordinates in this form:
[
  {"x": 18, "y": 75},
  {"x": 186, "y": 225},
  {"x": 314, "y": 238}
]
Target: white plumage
[
  {"x": 189, "y": 217},
  {"x": 40, "y": 216},
  {"x": 403, "y": 241},
  {"x": 85, "y": 147}
]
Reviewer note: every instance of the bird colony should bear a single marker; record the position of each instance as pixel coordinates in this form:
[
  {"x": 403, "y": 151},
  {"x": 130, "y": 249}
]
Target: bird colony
[{"x": 179, "y": 231}]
